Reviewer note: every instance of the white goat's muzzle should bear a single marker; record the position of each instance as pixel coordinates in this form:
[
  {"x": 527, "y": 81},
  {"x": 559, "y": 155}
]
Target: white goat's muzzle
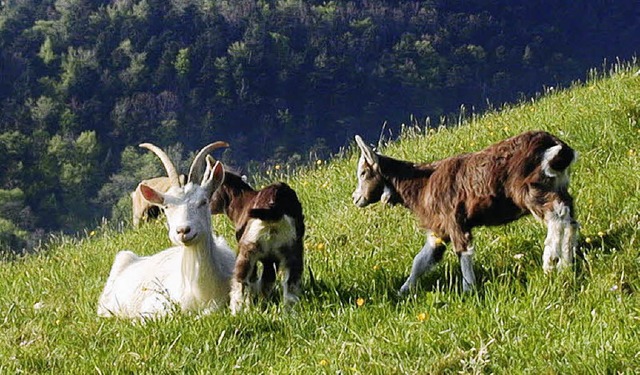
[{"x": 184, "y": 238}]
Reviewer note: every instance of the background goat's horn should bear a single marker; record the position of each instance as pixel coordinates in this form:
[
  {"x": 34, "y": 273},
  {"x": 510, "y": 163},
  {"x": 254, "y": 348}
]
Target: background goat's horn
[
  {"x": 198, "y": 162},
  {"x": 174, "y": 178}
]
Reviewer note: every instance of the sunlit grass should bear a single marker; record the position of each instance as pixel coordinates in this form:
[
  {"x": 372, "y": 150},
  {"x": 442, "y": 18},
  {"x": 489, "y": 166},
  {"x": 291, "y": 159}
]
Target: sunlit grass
[{"x": 350, "y": 319}]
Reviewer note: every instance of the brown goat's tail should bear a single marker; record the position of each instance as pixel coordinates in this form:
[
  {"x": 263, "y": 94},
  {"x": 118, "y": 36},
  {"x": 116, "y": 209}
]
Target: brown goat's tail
[
  {"x": 557, "y": 159},
  {"x": 266, "y": 214}
]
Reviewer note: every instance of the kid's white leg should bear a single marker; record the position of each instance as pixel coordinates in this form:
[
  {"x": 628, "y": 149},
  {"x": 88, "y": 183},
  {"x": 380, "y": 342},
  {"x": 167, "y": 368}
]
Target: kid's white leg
[
  {"x": 466, "y": 265},
  {"x": 422, "y": 262}
]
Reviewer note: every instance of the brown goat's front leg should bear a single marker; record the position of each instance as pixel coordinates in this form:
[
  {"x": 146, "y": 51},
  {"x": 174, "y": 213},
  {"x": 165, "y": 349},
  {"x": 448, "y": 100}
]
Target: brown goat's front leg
[
  {"x": 430, "y": 254},
  {"x": 462, "y": 243},
  {"x": 244, "y": 269}
]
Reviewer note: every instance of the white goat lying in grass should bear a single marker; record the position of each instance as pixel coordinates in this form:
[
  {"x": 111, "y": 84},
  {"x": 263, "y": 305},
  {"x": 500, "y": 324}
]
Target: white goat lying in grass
[{"x": 192, "y": 276}]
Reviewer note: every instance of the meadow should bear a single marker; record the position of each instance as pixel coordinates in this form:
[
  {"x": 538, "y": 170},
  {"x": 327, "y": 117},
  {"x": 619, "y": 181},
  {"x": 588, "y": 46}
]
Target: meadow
[{"x": 350, "y": 319}]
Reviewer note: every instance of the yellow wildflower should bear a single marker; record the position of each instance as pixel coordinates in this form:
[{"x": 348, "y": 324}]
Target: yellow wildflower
[
  {"x": 360, "y": 302},
  {"x": 324, "y": 362},
  {"x": 320, "y": 246},
  {"x": 318, "y": 162},
  {"x": 439, "y": 241},
  {"x": 92, "y": 233},
  {"x": 423, "y": 316},
  {"x": 587, "y": 240},
  {"x": 277, "y": 167},
  {"x": 601, "y": 234},
  {"x": 376, "y": 267}
]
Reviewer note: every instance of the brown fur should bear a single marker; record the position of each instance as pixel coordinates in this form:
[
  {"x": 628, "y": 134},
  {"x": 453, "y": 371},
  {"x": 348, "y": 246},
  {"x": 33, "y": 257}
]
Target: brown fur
[
  {"x": 493, "y": 186},
  {"x": 242, "y": 204}
]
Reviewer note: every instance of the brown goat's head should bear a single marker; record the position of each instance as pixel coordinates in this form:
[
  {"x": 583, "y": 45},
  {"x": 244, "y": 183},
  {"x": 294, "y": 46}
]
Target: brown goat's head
[{"x": 371, "y": 187}]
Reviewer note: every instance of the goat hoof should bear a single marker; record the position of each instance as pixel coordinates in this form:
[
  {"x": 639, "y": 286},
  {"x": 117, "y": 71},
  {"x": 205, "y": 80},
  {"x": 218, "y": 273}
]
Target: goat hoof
[
  {"x": 404, "y": 290},
  {"x": 291, "y": 299}
]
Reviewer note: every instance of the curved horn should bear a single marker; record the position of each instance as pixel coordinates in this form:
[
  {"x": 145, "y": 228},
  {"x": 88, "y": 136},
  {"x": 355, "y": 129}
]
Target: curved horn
[
  {"x": 174, "y": 178},
  {"x": 197, "y": 164}
]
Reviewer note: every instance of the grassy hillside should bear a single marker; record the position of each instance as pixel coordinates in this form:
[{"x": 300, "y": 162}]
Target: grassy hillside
[{"x": 350, "y": 320}]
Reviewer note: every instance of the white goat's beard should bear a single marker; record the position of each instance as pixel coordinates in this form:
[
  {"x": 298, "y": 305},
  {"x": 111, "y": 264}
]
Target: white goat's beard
[{"x": 184, "y": 239}]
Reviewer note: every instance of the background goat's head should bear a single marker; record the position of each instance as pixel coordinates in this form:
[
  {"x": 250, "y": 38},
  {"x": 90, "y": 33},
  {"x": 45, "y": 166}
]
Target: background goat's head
[
  {"x": 187, "y": 206},
  {"x": 372, "y": 186}
]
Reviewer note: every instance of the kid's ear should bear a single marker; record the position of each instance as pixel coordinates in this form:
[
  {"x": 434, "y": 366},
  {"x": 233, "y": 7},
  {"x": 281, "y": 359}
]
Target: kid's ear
[
  {"x": 369, "y": 155},
  {"x": 151, "y": 195}
]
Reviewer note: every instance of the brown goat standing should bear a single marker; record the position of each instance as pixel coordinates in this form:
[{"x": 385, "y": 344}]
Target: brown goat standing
[
  {"x": 270, "y": 228},
  {"x": 528, "y": 173}
]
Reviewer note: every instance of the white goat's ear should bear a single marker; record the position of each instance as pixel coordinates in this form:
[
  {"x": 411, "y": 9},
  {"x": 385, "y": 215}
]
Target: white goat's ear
[
  {"x": 151, "y": 195},
  {"x": 213, "y": 174},
  {"x": 369, "y": 155}
]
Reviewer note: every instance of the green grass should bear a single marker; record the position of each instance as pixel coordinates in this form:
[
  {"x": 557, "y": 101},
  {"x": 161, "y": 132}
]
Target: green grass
[{"x": 519, "y": 320}]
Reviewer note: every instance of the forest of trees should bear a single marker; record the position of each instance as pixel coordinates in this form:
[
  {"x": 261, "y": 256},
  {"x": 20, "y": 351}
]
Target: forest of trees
[{"x": 82, "y": 82}]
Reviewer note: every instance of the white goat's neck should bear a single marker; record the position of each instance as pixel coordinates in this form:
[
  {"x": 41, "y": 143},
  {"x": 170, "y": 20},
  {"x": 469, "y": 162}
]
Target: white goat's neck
[{"x": 198, "y": 268}]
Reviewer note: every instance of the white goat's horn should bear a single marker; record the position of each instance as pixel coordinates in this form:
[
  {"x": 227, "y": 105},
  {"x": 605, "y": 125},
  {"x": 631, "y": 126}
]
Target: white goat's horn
[
  {"x": 197, "y": 164},
  {"x": 174, "y": 178}
]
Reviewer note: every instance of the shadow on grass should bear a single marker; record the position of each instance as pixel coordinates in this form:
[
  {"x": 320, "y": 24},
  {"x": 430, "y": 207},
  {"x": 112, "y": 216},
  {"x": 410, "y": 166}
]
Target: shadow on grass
[{"x": 446, "y": 277}]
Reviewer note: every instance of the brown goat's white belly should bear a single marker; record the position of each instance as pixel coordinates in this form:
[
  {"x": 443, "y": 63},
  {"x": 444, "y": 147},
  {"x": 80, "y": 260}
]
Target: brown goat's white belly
[{"x": 271, "y": 235}]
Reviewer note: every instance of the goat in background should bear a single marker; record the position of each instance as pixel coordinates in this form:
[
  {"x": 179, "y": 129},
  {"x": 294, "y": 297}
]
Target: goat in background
[
  {"x": 528, "y": 173},
  {"x": 142, "y": 209},
  {"x": 194, "y": 274}
]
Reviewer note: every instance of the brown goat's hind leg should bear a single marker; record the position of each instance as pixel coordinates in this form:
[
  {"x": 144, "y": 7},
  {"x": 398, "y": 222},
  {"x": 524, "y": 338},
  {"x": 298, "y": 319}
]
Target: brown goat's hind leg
[{"x": 462, "y": 244}]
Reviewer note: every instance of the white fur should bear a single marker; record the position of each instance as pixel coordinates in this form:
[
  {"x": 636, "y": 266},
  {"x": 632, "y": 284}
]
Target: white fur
[
  {"x": 193, "y": 275},
  {"x": 422, "y": 262},
  {"x": 466, "y": 265},
  {"x": 551, "y": 153},
  {"x": 270, "y": 238},
  {"x": 562, "y": 177},
  {"x": 271, "y": 235},
  {"x": 559, "y": 244}
]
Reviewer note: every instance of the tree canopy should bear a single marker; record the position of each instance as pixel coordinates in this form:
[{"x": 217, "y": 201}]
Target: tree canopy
[{"x": 83, "y": 82}]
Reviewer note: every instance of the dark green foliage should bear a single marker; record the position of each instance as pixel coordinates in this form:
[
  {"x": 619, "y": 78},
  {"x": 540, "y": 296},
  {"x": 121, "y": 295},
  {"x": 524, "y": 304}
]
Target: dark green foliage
[{"x": 82, "y": 80}]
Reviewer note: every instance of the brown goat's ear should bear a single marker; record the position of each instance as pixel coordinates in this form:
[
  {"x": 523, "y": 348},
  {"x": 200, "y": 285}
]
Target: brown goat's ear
[
  {"x": 151, "y": 195},
  {"x": 369, "y": 155}
]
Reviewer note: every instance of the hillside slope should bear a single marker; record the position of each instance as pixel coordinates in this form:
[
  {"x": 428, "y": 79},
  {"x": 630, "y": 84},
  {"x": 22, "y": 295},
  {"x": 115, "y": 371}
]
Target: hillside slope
[{"x": 349, "y": 319}]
